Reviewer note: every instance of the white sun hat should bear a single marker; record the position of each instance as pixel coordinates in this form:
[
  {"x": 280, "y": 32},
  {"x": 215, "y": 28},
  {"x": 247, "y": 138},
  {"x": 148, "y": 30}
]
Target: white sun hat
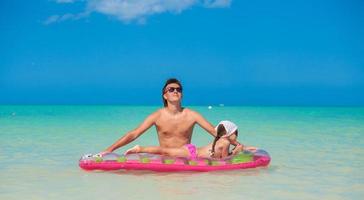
[{"x": 229, "y": 126}]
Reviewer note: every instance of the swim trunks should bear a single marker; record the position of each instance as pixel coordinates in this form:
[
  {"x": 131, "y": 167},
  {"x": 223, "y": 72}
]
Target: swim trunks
[{"x": 192, "y": 149}]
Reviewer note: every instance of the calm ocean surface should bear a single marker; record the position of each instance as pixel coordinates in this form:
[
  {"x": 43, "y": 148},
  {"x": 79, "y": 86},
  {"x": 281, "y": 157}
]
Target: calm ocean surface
[{"x": 317, "y": 153}]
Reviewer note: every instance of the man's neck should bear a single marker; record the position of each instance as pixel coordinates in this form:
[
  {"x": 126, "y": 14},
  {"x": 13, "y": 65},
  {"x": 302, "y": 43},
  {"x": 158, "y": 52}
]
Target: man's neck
[{"x": 174, "y": 108}]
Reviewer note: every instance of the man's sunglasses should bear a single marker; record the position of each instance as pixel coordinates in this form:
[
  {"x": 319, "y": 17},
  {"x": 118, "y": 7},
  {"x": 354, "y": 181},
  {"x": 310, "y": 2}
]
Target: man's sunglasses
[{"x": 172, "y": 89}]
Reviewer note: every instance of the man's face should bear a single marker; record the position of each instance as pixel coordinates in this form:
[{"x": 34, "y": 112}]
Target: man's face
[{"x": 173, "y": 92}]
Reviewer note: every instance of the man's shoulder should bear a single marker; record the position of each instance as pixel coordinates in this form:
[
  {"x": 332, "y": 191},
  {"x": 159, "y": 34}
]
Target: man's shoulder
[
  {"x": 160, "y": 111},
  {"x": 190, "y": 111},
  {"x": 156, "y": 113}
]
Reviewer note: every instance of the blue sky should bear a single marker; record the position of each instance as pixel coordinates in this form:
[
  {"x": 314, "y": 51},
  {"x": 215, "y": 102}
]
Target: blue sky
[{"x": 232, "y": 52}]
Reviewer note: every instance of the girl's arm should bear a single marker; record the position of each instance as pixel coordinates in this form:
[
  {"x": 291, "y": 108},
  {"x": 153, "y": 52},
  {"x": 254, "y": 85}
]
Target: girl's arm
[{"x": 237, "y": 149}]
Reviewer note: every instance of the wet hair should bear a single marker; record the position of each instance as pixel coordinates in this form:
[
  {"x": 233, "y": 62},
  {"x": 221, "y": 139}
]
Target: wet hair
[
  {"x": 221, "y": 131},
  {"x": 169, "y": 81}
]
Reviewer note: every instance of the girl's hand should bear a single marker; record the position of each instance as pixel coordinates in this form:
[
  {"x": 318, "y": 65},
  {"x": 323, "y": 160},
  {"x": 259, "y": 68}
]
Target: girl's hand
[
  {"x": 252, "y": 149},
  {"x": 238, "y": 148}
]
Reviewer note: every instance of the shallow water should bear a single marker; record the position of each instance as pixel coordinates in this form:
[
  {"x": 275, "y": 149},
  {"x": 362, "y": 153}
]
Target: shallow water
[{"x": 317, "y": 152}]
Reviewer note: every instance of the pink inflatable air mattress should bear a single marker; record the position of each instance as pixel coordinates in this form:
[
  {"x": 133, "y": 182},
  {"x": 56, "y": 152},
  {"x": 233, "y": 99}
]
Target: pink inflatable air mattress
[{"x": 143, "y": 161}]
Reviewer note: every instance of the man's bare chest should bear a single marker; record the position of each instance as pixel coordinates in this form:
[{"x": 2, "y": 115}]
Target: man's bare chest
[{"x": 174, "y": 123}]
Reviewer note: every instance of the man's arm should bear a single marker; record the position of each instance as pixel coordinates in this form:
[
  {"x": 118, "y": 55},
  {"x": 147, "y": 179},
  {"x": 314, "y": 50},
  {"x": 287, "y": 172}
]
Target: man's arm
[
  {"x": 132, "y": 135},
  {"x": 204, "y": 123}
]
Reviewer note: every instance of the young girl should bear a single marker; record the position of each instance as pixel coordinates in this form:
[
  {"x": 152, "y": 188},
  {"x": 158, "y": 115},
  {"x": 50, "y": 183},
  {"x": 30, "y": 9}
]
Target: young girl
[{"x": 227, "y": 132}]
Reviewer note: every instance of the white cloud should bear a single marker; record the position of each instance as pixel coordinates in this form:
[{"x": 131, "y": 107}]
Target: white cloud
[
  {"x": 136, "y": 10},
  {"x": 127, "y": 10},
  {"x": 217, "y": 3},
  {"x": 59, "y": 18},
  {"x": 51, "y": 19}
]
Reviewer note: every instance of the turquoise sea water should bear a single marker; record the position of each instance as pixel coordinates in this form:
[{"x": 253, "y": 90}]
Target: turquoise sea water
[{"x": 317, "y": 153}]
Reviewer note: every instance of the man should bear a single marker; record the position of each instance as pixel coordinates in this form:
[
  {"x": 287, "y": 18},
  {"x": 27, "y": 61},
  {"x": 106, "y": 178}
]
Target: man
[{"x": 173, "y": 122}]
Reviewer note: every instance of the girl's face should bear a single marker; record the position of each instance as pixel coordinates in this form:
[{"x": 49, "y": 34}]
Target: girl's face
[{"x": 232, "y": 138}]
